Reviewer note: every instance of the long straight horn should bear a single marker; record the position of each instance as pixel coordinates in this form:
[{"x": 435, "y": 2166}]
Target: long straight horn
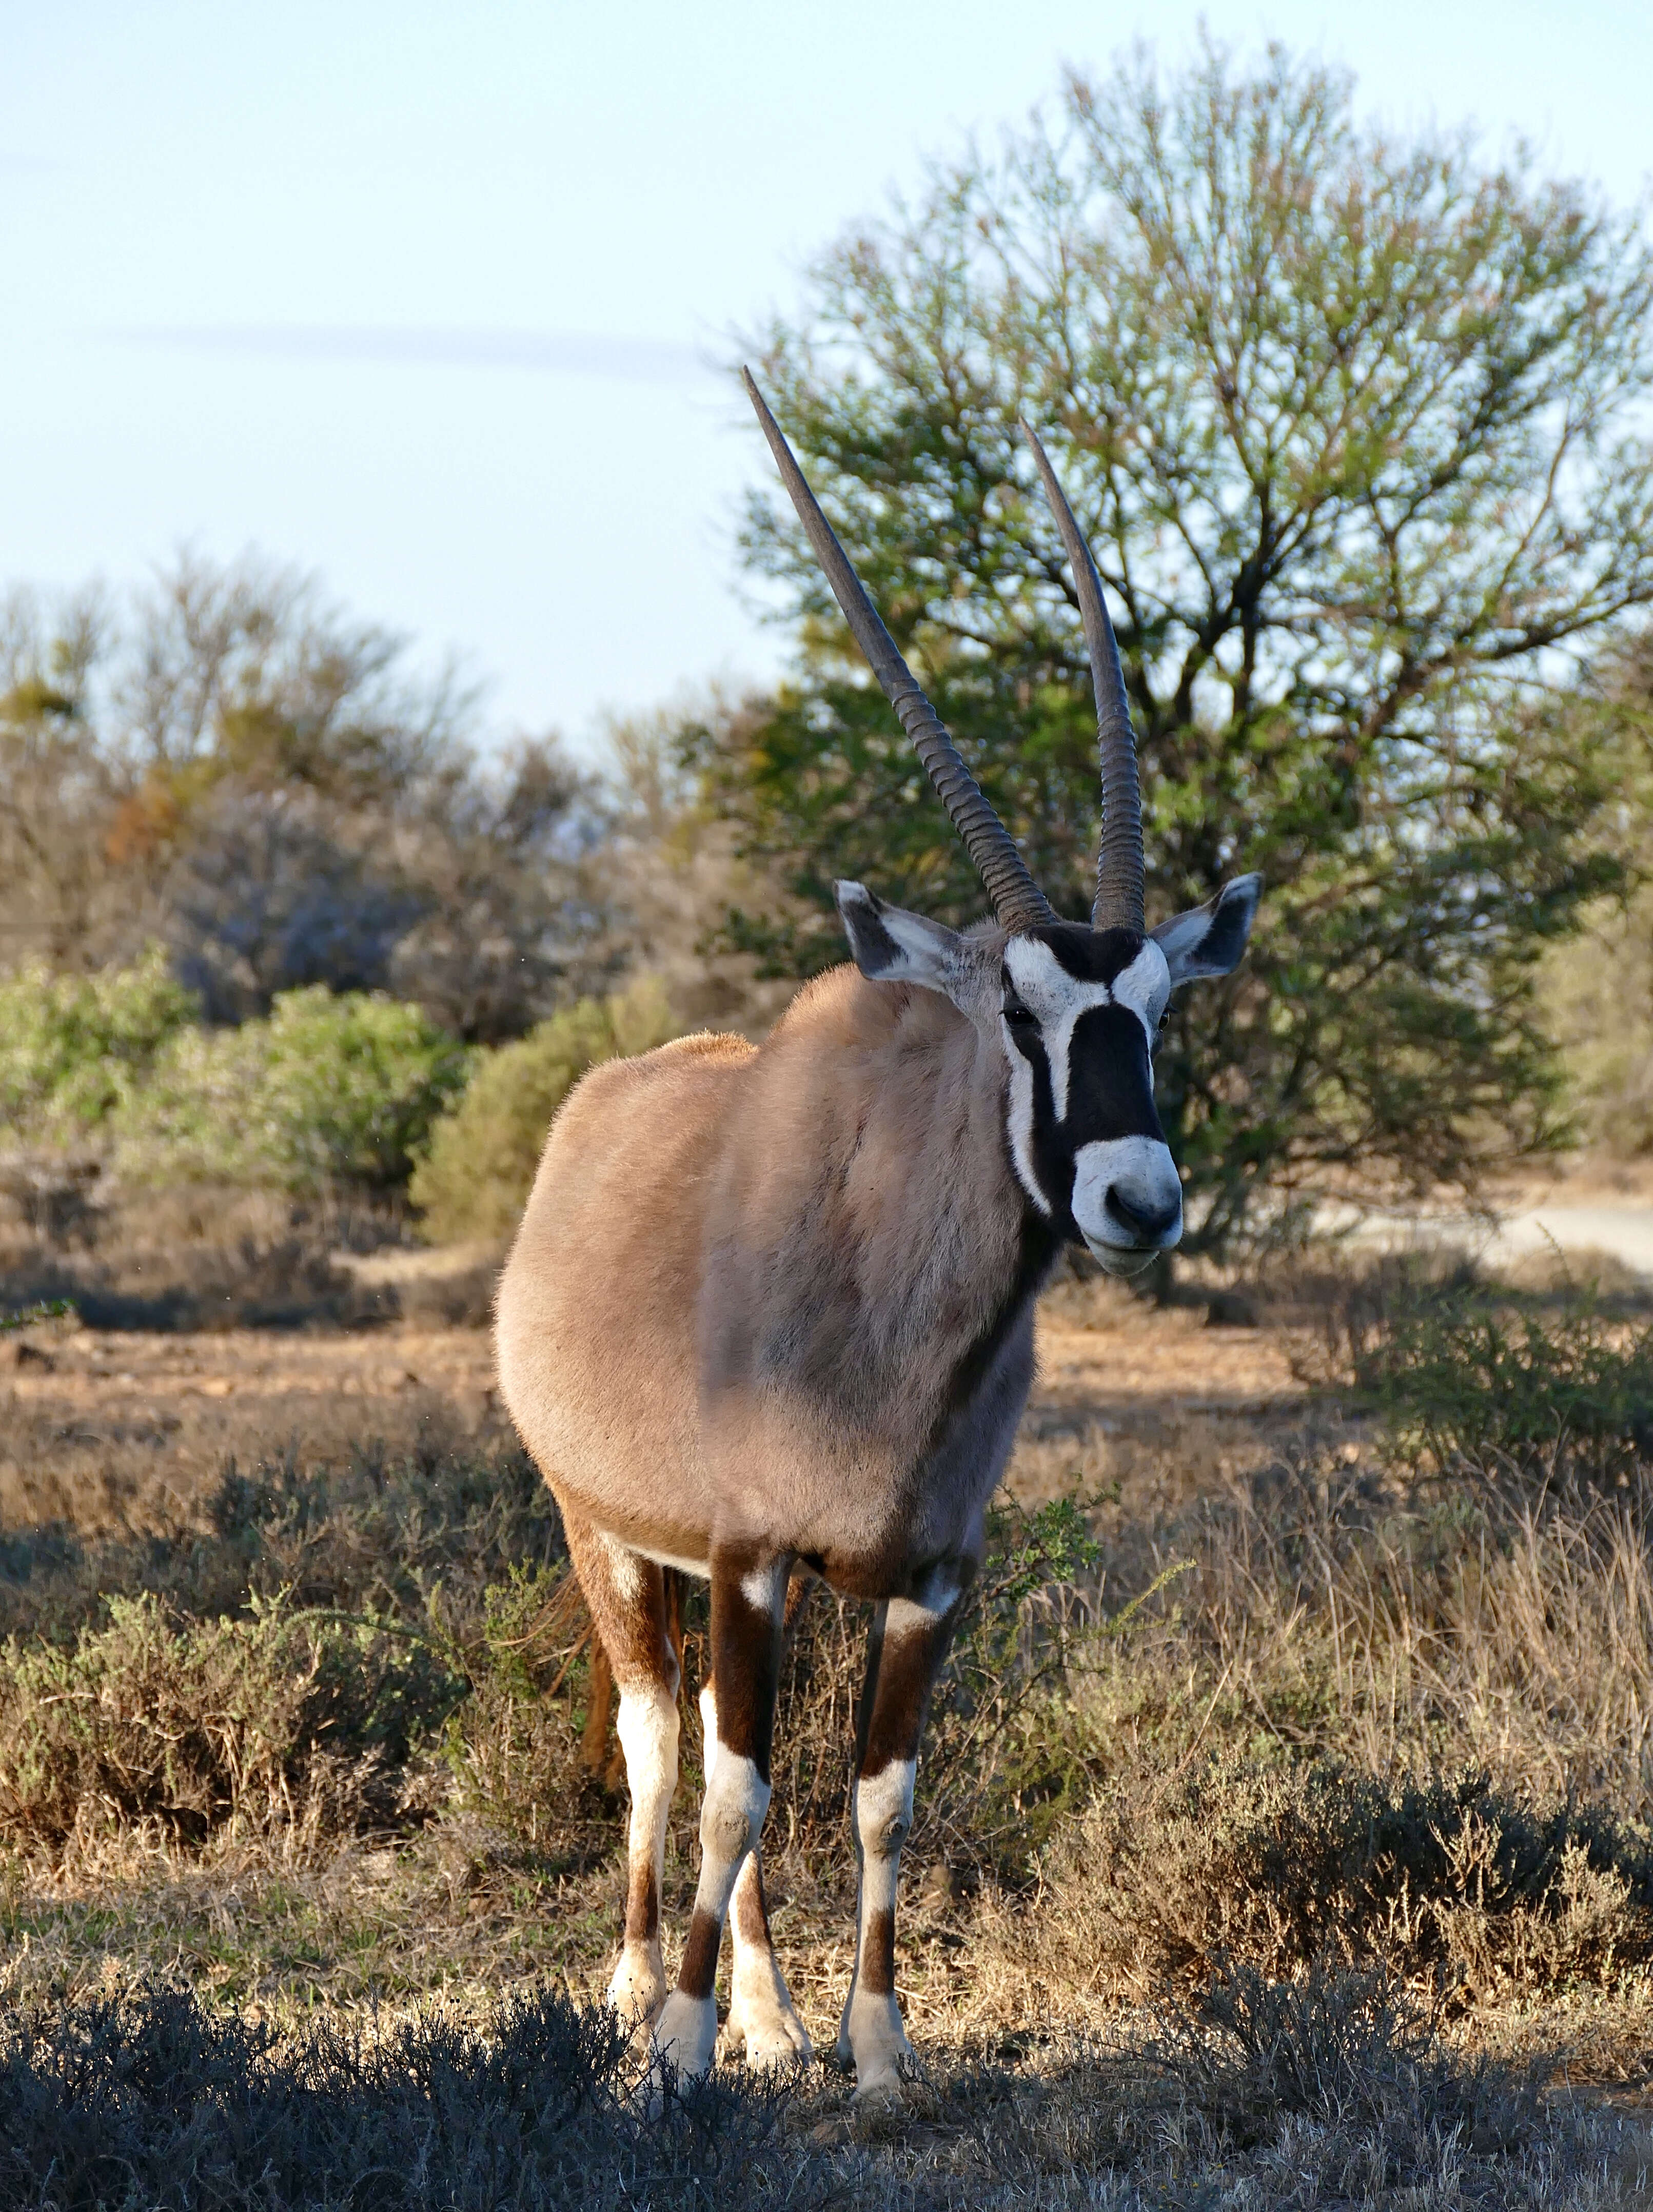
[
  {"x": 1119, "y": 902},
  {"x": 1017, "y": 899}
]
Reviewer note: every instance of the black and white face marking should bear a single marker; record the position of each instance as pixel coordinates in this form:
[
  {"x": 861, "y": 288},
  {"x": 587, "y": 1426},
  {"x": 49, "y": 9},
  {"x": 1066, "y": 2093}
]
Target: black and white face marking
[{"x": 1080, "y": 1011}]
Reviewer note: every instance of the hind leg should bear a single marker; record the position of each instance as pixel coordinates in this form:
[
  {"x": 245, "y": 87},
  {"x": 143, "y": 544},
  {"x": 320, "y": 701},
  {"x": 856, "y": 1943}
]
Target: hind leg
[
  {"x": 628, "y": 1600},
  {"x": 761, "y": 2017}
]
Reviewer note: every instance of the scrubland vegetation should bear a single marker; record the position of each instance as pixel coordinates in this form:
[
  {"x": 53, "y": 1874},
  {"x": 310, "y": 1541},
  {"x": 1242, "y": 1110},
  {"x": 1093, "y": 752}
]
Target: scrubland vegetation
[
  {"x": 1286, "y": 1819},
  {"x": 1286, "y": 1829}
]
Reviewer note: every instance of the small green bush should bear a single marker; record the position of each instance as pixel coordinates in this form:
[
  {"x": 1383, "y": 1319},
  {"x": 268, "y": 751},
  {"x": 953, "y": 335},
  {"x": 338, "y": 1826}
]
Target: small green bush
[
  {"x": 74, "y": 1048},
  {"x": 327, "y": 1091},
  {"x": 1470, "y": 1380},
  {"x": 476, "y": 1175}
]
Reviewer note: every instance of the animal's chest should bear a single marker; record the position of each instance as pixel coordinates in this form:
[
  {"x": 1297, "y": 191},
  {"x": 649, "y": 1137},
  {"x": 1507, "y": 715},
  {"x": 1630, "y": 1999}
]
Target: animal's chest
[
  {"x": 879, "y": 1458},
  {"x": 971, "y": 1444}
]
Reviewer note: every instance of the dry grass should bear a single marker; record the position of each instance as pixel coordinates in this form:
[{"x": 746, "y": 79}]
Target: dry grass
[{"x": 1276, "y": 1741}]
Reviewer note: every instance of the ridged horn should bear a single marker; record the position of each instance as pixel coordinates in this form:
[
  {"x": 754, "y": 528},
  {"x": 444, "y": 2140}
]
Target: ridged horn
[
  {"x": 1017, "y": 899},
  {"x": 1119, "y": 900}
]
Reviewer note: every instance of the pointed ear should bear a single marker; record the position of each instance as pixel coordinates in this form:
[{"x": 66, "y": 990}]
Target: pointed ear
[
  {"x": 1209, "y": 940},
  {"x": 893, "y": 946}
]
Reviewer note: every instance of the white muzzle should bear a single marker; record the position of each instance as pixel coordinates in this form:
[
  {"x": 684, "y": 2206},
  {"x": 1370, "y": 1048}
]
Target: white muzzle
[{"x": 1128, "y": 1201}]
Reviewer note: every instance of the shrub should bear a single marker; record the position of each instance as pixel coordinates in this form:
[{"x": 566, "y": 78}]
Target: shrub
[
  {"x": 1345, "y": 2051},
  {"x": 153, "y": 2100},
  {"x": 72, "y": 1047},
  {"x": 329, "y": 1090},
  {"x": 1469, "y": 1380},
  {"x": 1278, "y": 1865},
  {"x": 274, "y": 1718},
  {"x": 479, "y": 1167},
  {"x": 1333, "y": 2093}
]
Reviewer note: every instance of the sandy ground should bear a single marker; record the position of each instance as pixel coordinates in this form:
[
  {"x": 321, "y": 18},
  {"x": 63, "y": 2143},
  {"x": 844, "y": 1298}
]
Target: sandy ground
[
  {"x": 127, "y": 1376},
  {"x": 93, "y": 1423},
  {"x": 1621, "y": 1230},
  {"x": 1581, "y": 1207}
]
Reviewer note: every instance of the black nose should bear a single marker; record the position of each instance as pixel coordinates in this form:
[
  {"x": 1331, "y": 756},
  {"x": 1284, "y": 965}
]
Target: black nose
[{"x": 1141, "y": 1217}]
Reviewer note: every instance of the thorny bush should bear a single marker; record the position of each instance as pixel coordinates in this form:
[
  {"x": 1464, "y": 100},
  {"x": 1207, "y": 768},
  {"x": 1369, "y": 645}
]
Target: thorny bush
[{"x": 1471, "y": 1378}]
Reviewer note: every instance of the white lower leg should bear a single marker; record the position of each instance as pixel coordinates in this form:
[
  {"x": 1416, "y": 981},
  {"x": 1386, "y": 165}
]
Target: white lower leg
[
  {"x": 763, "y": 2020},
  {"x": 871, "y": 2026},
  {"x": 732, "y": 1818},
  {"x": 647, "y": 1728}
]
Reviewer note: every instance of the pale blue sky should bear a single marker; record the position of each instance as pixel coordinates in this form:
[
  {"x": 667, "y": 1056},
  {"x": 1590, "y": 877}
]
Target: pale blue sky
[{"x": 416, "y": 296}]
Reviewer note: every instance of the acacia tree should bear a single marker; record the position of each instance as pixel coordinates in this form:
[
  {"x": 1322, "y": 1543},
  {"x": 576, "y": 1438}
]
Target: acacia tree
[{"x": 1358, "y": 431}]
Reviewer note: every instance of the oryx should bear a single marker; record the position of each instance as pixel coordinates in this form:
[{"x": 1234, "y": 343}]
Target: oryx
[{"x": 772, "y": 1308}]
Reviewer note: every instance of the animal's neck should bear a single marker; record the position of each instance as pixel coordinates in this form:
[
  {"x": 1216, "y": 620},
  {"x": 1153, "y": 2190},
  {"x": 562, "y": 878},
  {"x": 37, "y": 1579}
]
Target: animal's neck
[{"x": 948, "y": 1249}]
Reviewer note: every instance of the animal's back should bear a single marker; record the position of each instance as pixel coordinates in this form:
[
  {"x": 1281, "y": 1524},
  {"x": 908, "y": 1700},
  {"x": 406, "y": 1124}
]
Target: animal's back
[{"x": 596, "y": 1331}]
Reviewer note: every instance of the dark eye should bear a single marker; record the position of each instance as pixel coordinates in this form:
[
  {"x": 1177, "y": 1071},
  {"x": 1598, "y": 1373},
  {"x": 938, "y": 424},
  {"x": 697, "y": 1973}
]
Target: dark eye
[{"x": 1018, "y": 1016}]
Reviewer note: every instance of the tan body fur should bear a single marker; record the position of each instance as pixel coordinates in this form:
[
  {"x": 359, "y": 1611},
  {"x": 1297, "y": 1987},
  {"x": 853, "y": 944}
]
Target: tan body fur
[{"x": 779, "y": 1297}]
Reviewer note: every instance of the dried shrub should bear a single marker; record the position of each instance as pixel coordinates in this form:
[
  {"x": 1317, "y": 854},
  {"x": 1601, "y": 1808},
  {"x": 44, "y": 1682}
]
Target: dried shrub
[
  {"x": 1349, "y": 2051},
  {"x": 281, "y": 1718},
  {"x": 1279, "y": 1867},
  {"x": 306, "y": 1642},
  {"x": 152, "y": 2101}
]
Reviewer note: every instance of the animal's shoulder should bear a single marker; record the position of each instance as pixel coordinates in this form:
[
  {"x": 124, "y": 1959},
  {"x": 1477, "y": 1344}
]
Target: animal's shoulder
[
  {"x": 683, "y": 1068},
  {"x": 703, "y": 1045}
]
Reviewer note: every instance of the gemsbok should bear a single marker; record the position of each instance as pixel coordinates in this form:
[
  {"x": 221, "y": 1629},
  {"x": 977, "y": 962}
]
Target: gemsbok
[{"x": 770, "y": 1309}]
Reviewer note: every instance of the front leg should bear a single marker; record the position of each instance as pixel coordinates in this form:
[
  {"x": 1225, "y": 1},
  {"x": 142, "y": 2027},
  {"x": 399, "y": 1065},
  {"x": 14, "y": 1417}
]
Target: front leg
[
  {"x": 908, "y": 1644},
  {"x": 763, "y": 2019},
  {"x": 748, "y": 1593}
]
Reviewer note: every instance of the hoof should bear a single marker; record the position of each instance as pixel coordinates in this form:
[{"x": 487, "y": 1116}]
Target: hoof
[
  {"x": 685, "y": 2035},
  {"x": 773, "y": 2037},
  {"x": 882, "y": 2075},
  {"x": 638, "y": 1988}
]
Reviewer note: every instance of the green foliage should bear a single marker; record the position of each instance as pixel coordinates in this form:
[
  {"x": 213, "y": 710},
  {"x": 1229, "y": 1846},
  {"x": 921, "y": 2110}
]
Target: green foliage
[
  {"x": 328, "y": 1091},
  {"x": 1004, "y": 1749},
  {"x": 27, "y": 1317},
  {"x": 1353, "y": 427},
  {"x": 1468, "y": 1379},
  {"x": 1052, "y": 1544},
  {"x": 479, "y": 1166},
  {"x": 1597, "y": 986},
  {"x": 74, "y": 1048}
]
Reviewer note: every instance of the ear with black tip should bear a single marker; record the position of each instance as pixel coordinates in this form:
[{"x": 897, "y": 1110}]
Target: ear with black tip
[
  {"x": 1209, "y": 940},
  {"x": 893, "y": 946}
]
